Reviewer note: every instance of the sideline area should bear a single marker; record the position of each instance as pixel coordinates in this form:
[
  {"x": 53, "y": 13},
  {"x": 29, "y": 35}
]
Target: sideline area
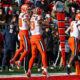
[{"x": 34, "y": 75}]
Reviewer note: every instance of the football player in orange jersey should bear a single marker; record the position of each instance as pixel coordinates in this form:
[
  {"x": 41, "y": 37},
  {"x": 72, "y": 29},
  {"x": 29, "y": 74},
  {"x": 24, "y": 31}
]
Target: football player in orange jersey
[
  {"x": 37, "y": 41},
  {"x": 74, "y": 43},
  {"x": 24, "y": 19}
]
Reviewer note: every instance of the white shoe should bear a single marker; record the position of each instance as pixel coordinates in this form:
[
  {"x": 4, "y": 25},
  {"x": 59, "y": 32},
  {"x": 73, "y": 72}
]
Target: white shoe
[
  {"x": 39, "y": 69},
  {"x": 1, "y": 70},
  {"x": 10, "y": 70},
  {"x": 51, "y": 68},
  {"x": 54, "y": 65}
]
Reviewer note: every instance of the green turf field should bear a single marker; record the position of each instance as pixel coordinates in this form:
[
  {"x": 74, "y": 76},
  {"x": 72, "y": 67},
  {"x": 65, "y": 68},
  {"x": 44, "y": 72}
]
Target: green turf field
[{"x": 34, "y": 70}]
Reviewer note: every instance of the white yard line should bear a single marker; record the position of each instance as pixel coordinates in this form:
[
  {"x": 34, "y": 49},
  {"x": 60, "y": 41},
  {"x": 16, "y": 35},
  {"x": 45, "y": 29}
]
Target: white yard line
[{"x": 34, "y": 75}]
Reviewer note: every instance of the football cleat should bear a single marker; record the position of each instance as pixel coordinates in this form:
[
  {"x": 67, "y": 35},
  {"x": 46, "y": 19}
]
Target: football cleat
[
  {"x": 46, "y": 73},
  {"x": 68, "y": 70},
  {"x": 18, "y": 64},
  {"x": 12, "y": 62},
  {"x": 28, "y": 75}
]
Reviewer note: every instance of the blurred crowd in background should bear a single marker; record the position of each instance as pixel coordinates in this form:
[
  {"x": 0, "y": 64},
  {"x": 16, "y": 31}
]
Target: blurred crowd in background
[{"x": 9, "y": 12}]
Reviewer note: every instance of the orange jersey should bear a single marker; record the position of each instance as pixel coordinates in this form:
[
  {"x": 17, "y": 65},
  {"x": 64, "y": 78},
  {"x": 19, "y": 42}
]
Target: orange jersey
[
  {"x": 22, "y": 24},
  {"x": 35, "y": 28}
]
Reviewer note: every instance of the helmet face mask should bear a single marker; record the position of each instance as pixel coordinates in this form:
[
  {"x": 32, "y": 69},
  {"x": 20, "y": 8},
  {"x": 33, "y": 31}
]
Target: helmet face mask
[{"x": 27, "y": 10}]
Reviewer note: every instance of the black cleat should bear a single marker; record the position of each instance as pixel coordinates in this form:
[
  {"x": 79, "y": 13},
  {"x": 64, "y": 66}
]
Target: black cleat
[{"x": 68, "y": 70}]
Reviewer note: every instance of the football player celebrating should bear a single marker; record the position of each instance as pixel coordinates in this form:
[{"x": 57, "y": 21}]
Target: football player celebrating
[
  {"x": 37, "y": 40},
  {"x": 74, "y": 41},
  {"x": 24, "y": 19}
]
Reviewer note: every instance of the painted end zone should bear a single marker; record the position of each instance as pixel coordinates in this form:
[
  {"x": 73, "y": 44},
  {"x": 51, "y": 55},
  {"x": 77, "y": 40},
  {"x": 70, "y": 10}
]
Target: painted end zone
[{"x": 70, "y": 77}]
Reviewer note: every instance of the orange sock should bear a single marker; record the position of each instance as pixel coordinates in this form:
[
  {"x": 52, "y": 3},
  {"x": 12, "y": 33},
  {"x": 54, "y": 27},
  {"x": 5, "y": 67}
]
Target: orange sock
[
  {"x": 77, "y": 68},
  {"x": 17, "y": 53},
  {"x": 23, "y": 55},
  {"x": 44, "y": 60},
  {"x": 34, "y": 54},
  {"x": 31, "y": 62}
]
